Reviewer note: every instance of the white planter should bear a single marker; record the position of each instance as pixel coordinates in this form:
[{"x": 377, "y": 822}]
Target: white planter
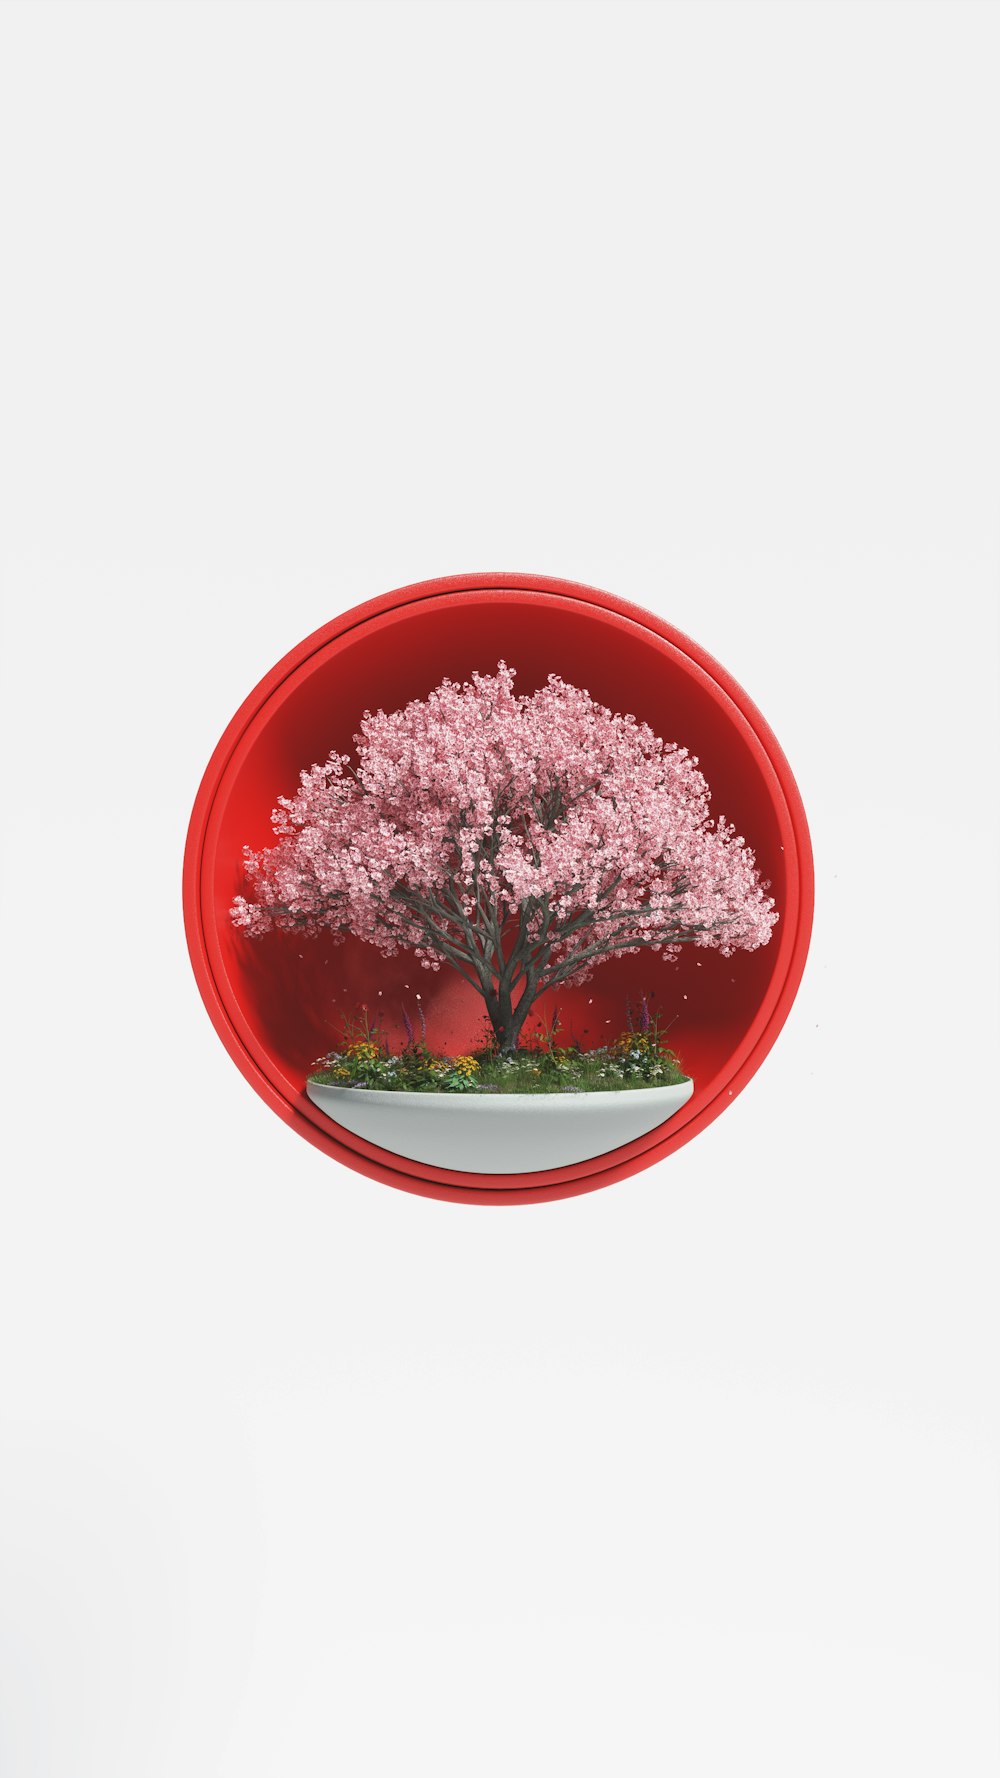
[{"x": 500, "y": 1132}]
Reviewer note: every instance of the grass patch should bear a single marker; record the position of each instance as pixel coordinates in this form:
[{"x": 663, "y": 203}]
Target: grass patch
[{"x": 635, "y": 1060}]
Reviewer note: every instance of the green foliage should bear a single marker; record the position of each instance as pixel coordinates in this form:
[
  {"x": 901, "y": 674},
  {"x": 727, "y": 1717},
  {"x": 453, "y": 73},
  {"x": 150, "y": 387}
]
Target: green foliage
[
  {"x": 636, "y": 1058},
  {"x": 364, "y": 1059},
  {"x": 641, "y": 1051}
]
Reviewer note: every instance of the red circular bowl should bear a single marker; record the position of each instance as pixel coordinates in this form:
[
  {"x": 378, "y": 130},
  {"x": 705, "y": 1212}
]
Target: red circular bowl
[{"x": 276, "y": 1003}]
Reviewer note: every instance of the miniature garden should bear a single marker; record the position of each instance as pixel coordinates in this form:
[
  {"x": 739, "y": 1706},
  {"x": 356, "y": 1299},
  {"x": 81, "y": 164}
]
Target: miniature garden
[{"x": 519, "y": 841}]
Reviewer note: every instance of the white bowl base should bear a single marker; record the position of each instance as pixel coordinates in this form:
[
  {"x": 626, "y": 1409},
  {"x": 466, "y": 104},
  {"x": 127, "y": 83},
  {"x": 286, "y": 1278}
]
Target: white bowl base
[{"x": 500, "y": 1132}]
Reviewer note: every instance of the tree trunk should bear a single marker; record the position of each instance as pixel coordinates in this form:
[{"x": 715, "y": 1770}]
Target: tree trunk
[{"x": 507, "y": 1020}]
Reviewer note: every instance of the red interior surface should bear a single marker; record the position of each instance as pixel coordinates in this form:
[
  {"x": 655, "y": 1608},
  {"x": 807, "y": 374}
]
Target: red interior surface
[{"x": 285, "y": 995}]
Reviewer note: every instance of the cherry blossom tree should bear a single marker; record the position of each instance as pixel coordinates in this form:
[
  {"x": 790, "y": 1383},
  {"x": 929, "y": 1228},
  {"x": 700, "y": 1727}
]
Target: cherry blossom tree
[{"x": 520, "y": 840}]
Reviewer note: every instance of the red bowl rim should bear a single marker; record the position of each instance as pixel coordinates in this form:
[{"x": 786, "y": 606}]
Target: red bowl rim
[{"x": 380, "y": 1164}]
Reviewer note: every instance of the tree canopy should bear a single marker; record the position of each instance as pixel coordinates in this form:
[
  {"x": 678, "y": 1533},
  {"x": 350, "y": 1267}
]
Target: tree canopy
[{"x": 520, "y": 840}]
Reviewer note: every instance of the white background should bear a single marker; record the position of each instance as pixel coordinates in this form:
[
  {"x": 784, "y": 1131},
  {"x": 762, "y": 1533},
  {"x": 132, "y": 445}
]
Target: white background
[{"x": 695, "y": 1475}]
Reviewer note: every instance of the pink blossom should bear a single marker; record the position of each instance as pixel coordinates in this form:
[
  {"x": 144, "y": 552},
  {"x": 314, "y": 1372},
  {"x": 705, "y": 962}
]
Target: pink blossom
[{"x": 519, "y": 840}]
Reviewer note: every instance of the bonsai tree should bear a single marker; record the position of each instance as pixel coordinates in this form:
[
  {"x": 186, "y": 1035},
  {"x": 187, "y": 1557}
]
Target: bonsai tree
[{"x": 518, "y": 840}]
